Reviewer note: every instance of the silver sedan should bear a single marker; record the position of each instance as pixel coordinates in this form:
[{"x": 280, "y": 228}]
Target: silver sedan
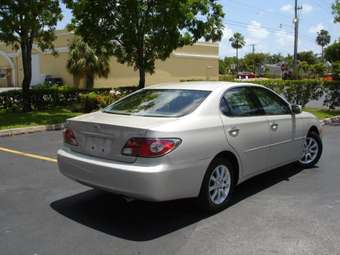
[{"x": 195, "y": 139}]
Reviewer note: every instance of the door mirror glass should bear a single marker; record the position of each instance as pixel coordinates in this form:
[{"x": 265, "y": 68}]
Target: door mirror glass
[{"x": 296, "y": 109}]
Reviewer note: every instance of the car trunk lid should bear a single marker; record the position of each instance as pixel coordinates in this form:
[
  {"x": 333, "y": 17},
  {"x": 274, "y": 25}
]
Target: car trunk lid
[{"x": 103, "y": 135}]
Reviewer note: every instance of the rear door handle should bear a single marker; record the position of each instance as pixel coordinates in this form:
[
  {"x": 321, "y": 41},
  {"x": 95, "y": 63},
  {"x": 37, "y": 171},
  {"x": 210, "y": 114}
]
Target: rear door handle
[{"x": 234, "y": 131}]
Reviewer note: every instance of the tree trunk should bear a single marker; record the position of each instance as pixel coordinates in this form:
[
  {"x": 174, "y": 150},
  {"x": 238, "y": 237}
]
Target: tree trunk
[
  {"x": 237, "y": 64},
  {"x": 322, "y": 54},
  {"x": 89, "y": 81},
  {"x": 141, "y": 77},
  {"x": 141, "y": 61},
  {"x": 76, "y": 81},
  {"x": 26, "y": 54}
]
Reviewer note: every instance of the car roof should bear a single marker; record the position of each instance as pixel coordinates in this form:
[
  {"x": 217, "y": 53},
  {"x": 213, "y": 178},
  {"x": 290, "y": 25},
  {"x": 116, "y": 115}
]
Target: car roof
[{"x": 198, "y": 85}]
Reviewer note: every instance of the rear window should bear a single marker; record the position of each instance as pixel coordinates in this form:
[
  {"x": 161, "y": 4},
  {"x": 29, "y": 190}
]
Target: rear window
[{"x": 159, "y": 103}]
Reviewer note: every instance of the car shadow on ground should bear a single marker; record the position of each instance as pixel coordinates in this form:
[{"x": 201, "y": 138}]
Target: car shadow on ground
[{"x": 144, "y": 221}]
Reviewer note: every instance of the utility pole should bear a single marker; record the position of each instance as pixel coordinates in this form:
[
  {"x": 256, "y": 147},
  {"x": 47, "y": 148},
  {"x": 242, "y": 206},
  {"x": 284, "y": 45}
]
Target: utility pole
[
  {"x": 253, "y": 51},
  {"x": 253, "y": 47},
  {"x": 296, "y": 35}
]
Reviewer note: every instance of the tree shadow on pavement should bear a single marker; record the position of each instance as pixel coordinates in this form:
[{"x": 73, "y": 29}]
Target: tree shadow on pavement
[{"x": 144, "y": 221}]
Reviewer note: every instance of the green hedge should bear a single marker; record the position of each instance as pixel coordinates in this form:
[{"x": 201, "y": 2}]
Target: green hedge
[
  {"x": 86, "y": 100},
  {"x": 226, "y": 77},
  {"x": 296, "y": 91},
  {"x": 44, "y": 98},
  {"x": 332, "y": 94},
  {"x": 302, "y": 91}
]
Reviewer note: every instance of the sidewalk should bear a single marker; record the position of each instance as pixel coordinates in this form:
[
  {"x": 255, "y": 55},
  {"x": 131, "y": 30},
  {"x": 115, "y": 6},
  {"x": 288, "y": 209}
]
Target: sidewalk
[{"x": 8, "y": 89}]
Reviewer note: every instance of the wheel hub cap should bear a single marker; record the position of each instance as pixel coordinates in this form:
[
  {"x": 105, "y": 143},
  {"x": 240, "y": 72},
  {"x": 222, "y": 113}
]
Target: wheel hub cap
[
  {"x": 219, "y": 184},
  {"x": 310, "y": 151}
]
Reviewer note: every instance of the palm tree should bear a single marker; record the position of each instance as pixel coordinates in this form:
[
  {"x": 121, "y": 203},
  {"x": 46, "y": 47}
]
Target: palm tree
[
  {"x": 322, "y": 39},
  {"x": 84, "y": 62},
  {"x": 237, "y": 42}
]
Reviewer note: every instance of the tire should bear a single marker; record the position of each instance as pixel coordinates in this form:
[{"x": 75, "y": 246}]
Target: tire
[
  {"x": 313, "y": 140},
  {"x": 208, "y": 200}
]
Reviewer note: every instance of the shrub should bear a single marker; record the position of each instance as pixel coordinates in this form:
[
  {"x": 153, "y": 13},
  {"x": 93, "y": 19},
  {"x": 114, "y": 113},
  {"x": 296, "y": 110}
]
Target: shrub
[
  {"x": 336, "y": 70},
  {"x": 296, "y": 91},
  {"x": 49, "y": 97},
  {"x": 89, "y": 102},
  {"x": 271, "y": 76},
  {"x": 227, "y": 77},
  {"x": 188, "y": 80},
  {"x": 93, "y": 101},
  {"x": 11, "y": 100},
  {"x": 332, "y": 94}
]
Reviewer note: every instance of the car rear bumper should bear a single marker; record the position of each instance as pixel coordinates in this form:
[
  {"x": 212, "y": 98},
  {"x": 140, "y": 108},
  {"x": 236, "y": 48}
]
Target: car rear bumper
[{"x": 155, "y": 183}]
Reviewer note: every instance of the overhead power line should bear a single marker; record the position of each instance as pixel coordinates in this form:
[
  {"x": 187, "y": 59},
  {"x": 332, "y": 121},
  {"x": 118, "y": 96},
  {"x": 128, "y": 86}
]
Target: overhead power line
[
  {"x": 279, "y": 29},
  {"x": 244, "y": 24},
  {"x": 254, "y": 7},
  {"x": 283, "y": 26},
  {"x": 322, "y": 5},
  {"x": 291, "y": 30}
]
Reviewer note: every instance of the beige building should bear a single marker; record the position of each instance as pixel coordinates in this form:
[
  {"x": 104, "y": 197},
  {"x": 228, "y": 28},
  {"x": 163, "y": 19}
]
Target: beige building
[{"x": 196, "y": 62}]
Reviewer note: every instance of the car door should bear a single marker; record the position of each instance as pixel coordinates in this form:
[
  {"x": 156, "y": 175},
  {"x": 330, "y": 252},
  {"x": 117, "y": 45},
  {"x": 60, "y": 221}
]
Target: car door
[
  {"x": 246, "y": 128},
  {"x": 282, "y": 125}
]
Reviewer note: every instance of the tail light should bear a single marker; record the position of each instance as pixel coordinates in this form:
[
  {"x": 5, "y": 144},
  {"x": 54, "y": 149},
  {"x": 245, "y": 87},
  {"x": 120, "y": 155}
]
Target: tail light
[
  {"x": 69, "y": 137},
  {"x": 149, "y": 147}
]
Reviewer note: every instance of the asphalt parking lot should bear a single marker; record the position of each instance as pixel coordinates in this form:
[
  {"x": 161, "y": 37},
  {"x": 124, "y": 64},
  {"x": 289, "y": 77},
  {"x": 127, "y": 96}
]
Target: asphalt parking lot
[{"x": 285, "y": 211}]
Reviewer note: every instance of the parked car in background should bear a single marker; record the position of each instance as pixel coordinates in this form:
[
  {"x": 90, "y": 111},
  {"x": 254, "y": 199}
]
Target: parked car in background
[
  {"x": 194, "y": 139},
  {"x": 246, "y": 75},
  {"x": 328, "y": 77},
  {"x": 52, "y": 80}
]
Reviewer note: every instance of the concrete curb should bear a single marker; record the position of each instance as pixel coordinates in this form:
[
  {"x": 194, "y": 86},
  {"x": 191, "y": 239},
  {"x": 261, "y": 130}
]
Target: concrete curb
[
  {"x": 27, "y": 130},
  {"x": 334, "y": 121}
]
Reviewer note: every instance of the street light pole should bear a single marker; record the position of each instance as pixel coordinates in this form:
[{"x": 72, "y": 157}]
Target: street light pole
[
  {"x": 252, "y": 47},
  {"x": 253, "y": 52},
  {"x": 296, "y": 35}
]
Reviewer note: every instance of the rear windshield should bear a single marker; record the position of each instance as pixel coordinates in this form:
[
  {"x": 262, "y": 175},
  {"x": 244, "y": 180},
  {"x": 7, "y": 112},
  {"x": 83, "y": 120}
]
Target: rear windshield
[{"x": 159, "y": 103}]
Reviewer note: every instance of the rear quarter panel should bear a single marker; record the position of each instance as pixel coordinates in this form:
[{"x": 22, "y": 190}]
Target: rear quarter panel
[{"x": 202, "y": 139}]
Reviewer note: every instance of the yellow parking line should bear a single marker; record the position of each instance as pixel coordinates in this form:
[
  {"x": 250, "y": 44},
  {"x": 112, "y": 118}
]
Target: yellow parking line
[{"x": 29, "y": 155}]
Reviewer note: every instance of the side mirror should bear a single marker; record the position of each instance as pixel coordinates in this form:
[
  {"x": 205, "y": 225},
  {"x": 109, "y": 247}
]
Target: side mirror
[{"x": 296, "y": 109}]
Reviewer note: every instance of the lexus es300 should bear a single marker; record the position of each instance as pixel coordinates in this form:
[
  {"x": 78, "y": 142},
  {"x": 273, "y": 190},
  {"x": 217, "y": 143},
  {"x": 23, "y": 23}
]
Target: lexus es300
[{"x": 194, "y": 139}]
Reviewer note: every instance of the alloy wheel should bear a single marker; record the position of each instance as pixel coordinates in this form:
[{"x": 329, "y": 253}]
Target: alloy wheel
[
  {"x": 219, "y": 184},
  {"x": 310, "y": 151}
]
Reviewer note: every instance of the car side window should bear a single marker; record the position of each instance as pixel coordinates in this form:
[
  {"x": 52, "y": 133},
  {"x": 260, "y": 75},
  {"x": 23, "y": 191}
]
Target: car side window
[
  {"x": 239, "y": 102},
  {"x": 270, "y": 102}
]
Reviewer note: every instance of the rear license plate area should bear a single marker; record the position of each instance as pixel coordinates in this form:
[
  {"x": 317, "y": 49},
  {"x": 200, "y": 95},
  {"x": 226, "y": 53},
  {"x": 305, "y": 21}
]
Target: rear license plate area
[{"x": 98, "y": 146}]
